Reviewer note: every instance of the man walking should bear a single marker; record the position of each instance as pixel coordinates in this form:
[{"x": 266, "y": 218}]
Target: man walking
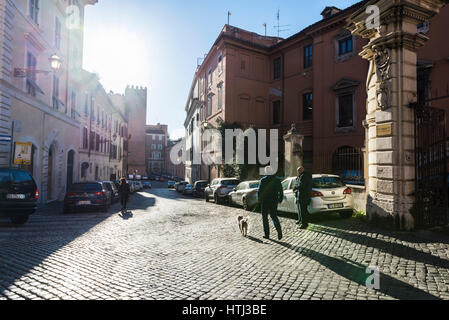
[
  {"x": 303, "y": 190},
  {"x": 124, "y": 191},
  {"x": 270, "y": 194}
]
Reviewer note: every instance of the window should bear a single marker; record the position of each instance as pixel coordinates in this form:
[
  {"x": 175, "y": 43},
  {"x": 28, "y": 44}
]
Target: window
[
  {"x": 220, "y": 64},
  {"x": 85, "y": 139},
  {"x": 55, "y": 98},
  {"x": 73, "y": 110},
  {"x": 57, "y": 33},
  {"x": 220, "y": 95},
  {"x": 209, "y": 105},
  {"x": 97, "y": 142},
  {"x": 276, "y": 112},
  {"x": 277, "y": 68},
  {"x": 243, "y": 65},
  {"x": 160, "y": 147},
  {"x": 34, "y": 10},
  {"x": 308, "y": 56},
  {"x": 345, "y": 46},
  {"x": 307, "y": 106},
  {"x": 153, "y": 146},
  {"x": 345, "y": 111},
  {"x": 31, "y": 77},
  {"x": 209, "y": 77},
  {"x": 86, "y": 104}
]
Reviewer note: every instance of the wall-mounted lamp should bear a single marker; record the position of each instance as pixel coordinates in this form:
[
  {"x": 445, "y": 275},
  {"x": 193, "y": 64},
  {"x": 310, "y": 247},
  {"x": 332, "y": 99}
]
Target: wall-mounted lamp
[{"x": 55, "y": 65}]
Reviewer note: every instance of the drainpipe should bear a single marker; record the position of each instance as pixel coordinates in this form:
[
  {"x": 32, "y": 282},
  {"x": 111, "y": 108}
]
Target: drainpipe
[{"x": 283, "y": 108}]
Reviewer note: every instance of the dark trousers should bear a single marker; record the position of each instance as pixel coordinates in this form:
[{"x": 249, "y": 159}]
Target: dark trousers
[
  {"x": 270, "y": 209},
  {"x": 303, "y": 213},
  {"x": 124, "y": 202}
]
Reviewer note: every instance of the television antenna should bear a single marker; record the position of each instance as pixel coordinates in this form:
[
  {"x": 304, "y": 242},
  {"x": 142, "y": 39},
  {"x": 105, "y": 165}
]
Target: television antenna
[{"x": 279, "y": 27}]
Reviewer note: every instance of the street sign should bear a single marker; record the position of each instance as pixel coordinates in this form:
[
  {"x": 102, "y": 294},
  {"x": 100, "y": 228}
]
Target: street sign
[{"x": 5, "y": 138}]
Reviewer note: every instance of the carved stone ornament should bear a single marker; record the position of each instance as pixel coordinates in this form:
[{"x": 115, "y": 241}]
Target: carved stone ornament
[{"x": 382, "y": 59}]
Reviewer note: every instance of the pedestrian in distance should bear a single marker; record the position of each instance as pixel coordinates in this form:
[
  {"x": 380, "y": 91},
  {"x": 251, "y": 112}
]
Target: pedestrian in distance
[
  {"x": 303, "y": 193},
  {"x": 124, "y": 191},
  {"x": 270, "y": 194}
]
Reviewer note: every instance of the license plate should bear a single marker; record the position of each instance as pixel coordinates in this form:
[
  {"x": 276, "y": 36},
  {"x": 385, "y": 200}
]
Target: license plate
[
  {"x": 336, "y": 206},
  {"x": 84, "y": 203},
  {"x": 15, "y": 196}
]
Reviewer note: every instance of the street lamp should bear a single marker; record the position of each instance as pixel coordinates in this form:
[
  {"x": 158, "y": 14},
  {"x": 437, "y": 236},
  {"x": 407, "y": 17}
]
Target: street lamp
[{"x": 55, "y": 65}]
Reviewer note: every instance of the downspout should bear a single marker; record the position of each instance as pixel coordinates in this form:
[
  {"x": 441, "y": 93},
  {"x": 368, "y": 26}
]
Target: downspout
[{"x": 283, "y": 112}]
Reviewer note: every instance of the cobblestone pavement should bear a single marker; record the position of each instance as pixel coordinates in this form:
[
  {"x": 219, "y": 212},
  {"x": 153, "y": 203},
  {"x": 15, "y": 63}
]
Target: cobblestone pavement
[{"x": 173, "y": 247}]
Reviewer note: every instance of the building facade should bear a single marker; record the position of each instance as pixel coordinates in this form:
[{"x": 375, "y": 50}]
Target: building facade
[
  {"x": 103, "y": 132},
  {"x": 156, "y": 148},
  {"x": 172, "y": 169},
  {"x": 136, "y": 103},
  {"x": 39, "y": 108},
  {"x": 315, "y": 79}
]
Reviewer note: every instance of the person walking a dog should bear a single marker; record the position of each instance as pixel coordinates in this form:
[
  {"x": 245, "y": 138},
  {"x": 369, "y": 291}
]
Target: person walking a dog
[
  {"x": 124, "y": 191},
  {"x": 270, "y": 194},
  {"x": 303, "y": 190}
]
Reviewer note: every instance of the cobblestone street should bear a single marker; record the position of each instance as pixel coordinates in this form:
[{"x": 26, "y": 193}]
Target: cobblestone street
[{"x": 173, "y": 247}]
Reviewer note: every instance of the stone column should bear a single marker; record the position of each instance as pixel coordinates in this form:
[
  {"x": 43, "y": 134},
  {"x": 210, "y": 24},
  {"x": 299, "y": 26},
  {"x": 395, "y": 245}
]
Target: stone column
[
  {"x": 294, "y": 155},
  {"x": 391, "y": 87}
]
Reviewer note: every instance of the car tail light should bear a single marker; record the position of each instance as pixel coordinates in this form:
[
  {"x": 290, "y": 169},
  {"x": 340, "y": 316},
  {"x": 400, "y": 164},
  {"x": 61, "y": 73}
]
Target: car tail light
[
  {"x": 71, "y": 195},
  {"x": 99, "y": 194},
  {"x": 36, "y": 194},
  {"x": 347, "y": 191},
  {"x": 316, "y": 194}
]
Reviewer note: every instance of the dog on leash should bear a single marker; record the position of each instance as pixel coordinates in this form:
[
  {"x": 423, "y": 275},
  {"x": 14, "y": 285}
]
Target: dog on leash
[{"x": 243, "y": 225}]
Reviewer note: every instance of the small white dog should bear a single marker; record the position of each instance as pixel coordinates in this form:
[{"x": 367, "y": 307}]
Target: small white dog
[{"x": 243, "y": 225}]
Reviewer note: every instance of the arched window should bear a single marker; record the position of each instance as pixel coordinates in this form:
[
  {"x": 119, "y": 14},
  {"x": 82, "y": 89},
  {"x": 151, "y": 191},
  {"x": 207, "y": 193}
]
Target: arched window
[{"x": 347, "y": 162}]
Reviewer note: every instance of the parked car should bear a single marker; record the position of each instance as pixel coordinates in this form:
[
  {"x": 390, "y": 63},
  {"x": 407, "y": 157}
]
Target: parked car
[
  {"x": 198, "y": 188},
  {"x": 115, "y": 197},
  {"x": 147, "y": 184},
  {"x": 219, "y": 189},
  {"x": 329, "y": 194},
  {"x": 245, "y": 195},
  {"x": 18, "y": 195},
  {"x": 181, "y": 186},
  {"x": 171, "y": 184},
  {"x": 188, "y": 190},
  {"x": 87, "y": 195}
]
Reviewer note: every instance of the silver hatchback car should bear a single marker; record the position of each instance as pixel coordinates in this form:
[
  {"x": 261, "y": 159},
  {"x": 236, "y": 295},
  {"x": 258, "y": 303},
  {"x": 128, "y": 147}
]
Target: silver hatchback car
[{"x": 329, "y": 194}]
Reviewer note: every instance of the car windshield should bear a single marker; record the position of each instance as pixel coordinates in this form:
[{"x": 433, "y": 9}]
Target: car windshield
[
  {"x": 91, "y": 187},
  {"x": 230, "y": 182},
  {"x": 201, "y": 184},
  {"x": 327, "y": 183}
]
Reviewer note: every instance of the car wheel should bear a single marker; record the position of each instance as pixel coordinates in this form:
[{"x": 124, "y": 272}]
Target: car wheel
[
  {"x": 216, "y": 199},
  {"x": 346, "y": 214},
  {"x": 245, "y": 205},
  {"x": 19, "y": 220},
  {"x": 206, "y": 196}
]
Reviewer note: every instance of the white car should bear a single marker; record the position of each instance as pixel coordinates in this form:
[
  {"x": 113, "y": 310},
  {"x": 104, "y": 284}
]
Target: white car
[
  {"x": 329, "y": 194},
  {"x": 245, "y": 195}
]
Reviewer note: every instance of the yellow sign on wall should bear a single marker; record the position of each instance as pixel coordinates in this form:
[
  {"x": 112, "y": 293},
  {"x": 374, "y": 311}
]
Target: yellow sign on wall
[
  {"x": 22, "y": 154},
  {"x": 384, "y": 130}
]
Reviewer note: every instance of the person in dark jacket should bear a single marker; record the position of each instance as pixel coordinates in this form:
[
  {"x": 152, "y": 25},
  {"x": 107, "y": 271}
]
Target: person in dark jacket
[
  {"x": 124, "y": 191},
  {"x": 303, "y": 190},
  {"x": 270, "y": 194}
]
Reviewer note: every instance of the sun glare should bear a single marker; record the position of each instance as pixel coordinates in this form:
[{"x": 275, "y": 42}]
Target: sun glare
[{"x": 119, "y": 57}]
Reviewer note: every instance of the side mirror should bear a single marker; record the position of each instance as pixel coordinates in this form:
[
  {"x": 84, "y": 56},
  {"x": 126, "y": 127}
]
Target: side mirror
[{"x": 235, "y": 189}]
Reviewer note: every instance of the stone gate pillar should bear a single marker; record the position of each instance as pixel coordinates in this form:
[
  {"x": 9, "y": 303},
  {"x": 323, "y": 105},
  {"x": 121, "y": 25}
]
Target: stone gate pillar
[
  {"x": 294, "y": 155},
  {"x": 391, "y": 87}
]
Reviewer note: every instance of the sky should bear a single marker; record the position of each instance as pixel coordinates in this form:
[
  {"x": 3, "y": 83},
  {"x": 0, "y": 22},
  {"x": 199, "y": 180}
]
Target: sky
[{"x": 156, "y": 44}]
